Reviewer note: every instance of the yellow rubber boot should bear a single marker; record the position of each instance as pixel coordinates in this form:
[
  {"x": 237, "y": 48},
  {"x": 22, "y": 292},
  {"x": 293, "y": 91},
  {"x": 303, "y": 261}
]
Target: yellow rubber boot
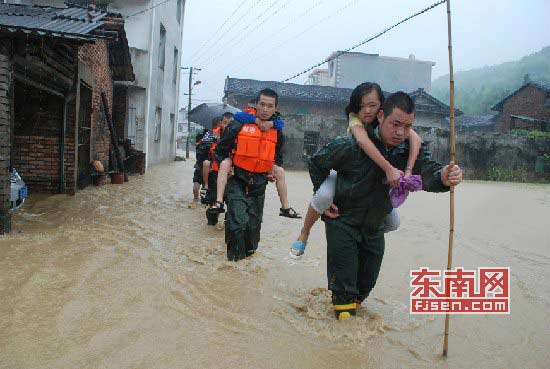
[{"x": 345, "y": 311}]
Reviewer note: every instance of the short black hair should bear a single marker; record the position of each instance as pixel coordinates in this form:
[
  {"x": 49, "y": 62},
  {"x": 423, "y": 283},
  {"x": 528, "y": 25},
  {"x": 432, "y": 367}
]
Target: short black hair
[
  {"x": 268, "y": 92},
  {"x": 228, "y": 115},
  {"x": 400, "y": 100},
  {"x": 354, "y": 105}
]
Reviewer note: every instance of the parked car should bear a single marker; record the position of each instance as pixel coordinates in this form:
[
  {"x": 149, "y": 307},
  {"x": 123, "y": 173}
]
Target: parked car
[{"x": 18, "y": 191}]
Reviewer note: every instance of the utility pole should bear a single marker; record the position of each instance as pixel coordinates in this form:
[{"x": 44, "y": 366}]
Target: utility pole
[{"x": 191, "y": 71}]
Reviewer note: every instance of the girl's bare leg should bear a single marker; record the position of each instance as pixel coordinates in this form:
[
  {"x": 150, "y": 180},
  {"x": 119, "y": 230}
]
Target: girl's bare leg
[
  {"x": 205, "y": 173},
  {"x": 311, "y": 217},
  {"x": 223, "y": 173}
]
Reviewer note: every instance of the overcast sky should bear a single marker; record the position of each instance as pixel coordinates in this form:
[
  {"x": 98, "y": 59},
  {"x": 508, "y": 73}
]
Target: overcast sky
[{"x": 275, "y": 39}]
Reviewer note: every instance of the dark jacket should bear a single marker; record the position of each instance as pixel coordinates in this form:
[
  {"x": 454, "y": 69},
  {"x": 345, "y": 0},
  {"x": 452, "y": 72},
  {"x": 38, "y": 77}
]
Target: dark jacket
[
  {"x": 361, "y": 196},
  {"x": 256, "y": 182}
]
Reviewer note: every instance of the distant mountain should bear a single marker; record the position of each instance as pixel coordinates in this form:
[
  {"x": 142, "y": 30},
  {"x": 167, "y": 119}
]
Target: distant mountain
[{"x": 477, "y": 90}]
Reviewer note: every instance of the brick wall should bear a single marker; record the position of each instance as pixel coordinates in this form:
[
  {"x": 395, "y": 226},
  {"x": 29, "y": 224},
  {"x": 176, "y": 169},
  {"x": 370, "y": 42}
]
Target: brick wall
[
  {"x": 5, "y": 135},
  {"x": 527, "y": 102},
  {"x": 38, "y": 118},
  {"x": 38, "y": 125},
  {"x": 96, "y": 57}
]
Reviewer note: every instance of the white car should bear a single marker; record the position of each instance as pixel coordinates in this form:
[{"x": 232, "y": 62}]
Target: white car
[{"x": 18, "y": 191}]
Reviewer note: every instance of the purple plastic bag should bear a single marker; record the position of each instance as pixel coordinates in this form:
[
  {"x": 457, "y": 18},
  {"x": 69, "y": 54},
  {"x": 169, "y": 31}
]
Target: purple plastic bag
[{"x": 399, "y": 194}]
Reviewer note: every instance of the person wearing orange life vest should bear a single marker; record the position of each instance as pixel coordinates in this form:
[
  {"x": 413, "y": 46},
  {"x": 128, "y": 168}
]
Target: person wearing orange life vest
[
  {"x": 208, "y": 192},
  {"x": 205, "y": 156},
  {"x": 254, "y": 153},
  {"x": 276, "y": 175}
]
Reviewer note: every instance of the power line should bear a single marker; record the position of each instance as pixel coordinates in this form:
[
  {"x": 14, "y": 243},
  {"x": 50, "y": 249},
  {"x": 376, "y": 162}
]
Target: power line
[
  {"x": 242, "y": 35},
  {"x": 268, "y": 17},
  {"x": 294, "y": 37},
  {"x": 367, "y": 40},
  {"x": 218, "y": 30},
  {"x": 291, "y": 22},
  {"x": 147, "y": 9},
  {"x": 226, "y": 33}
]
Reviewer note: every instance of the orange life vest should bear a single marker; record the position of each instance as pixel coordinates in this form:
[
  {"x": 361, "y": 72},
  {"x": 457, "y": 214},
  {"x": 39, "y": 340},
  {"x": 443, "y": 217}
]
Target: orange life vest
[
  {"x": 216, "y": 132},
  {"x": 255, "y": 150}
]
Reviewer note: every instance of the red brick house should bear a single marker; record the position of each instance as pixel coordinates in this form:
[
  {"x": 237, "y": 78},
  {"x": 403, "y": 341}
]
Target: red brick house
[
  {"x": 54, "y": 65},
  {"x": 526, "y": 108}
]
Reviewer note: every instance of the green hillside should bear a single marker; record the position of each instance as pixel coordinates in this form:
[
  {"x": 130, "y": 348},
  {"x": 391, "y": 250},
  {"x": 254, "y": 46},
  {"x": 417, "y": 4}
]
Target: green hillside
[{"x": 477, "y": 90}]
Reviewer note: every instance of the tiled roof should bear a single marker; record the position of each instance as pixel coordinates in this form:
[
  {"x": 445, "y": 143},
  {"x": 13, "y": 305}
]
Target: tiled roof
[
  {"x": 441, "y": 106},
  {"x": 250, "y": 87},
  {"x": 72, "y": 22},
  {"x": 540, "y": 86},
  {"x": 473, "y": 120}
]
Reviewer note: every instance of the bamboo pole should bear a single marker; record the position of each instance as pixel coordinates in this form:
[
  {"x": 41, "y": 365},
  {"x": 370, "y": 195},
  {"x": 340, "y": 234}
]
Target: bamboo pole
[{"x": 452, "y": 147}]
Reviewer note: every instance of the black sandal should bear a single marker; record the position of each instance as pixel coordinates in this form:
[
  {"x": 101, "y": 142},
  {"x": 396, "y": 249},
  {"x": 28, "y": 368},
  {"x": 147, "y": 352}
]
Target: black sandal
[
  {"x": 289, "y": 213},
  {"x": 217, "y": 208}
]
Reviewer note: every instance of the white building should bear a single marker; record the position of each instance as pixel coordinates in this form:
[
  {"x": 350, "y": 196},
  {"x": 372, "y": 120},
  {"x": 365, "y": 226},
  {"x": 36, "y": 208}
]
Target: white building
[
  {"x": 154, "y": 30},
  {"x": 392, "y": 73},
  {"x": 319, "y": 77},
  {"x": 182, "y": 132}
]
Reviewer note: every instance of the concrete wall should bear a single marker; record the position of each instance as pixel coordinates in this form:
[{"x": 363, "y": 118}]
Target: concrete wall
[
  {"x": 483, "y": 155},
  {"x": 489, "y": 155},
  {"x": 424, "y": 119},
  {"x": 393, "y": 74},
  {"x": 143, "y": 32},
  {"x": 297, "y": 125}
]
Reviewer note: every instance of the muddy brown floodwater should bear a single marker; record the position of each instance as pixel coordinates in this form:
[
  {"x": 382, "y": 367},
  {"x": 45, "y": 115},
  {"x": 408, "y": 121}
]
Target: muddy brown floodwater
[{"x": 129, "y": 277}]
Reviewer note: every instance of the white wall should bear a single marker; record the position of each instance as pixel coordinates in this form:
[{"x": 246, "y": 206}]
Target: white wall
[
  {"x": 143, "y": 32},
  {"x": 393, "y": 74}
]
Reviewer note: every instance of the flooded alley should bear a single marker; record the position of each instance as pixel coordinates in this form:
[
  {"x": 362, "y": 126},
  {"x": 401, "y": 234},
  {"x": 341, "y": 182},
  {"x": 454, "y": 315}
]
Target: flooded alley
[{"x": 127, "y": 276}]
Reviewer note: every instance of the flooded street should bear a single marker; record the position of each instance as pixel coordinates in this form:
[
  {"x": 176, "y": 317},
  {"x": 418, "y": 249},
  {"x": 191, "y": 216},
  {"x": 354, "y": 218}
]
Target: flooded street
[{"x": 130, "y": 277}]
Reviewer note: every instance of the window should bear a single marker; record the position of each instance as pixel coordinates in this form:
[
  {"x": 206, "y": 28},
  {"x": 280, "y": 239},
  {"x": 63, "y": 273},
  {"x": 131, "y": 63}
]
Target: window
[
  {"x": 547, "y": 102},
  {"x": 172, "y": 128},
  {"x": 158, "y": 124},
  {"x": 132, "y": 125},
  {"x": 176, "y": 65},
  {"x": 162, "y": 47},
  {"x": 179, "y": 10}
]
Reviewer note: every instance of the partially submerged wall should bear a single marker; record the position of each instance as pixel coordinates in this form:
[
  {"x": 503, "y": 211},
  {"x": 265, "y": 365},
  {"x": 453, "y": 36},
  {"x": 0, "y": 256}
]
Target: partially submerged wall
[
  {"x": 492, "y": 156},
  {"x": 483, "y": 155}
]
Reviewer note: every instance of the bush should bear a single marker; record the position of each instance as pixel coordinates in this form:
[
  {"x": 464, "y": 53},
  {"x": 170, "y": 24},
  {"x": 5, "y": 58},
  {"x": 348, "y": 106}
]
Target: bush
[
  {"x": 506, "y": 175},
  {"x": 532, "y": 134}
]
